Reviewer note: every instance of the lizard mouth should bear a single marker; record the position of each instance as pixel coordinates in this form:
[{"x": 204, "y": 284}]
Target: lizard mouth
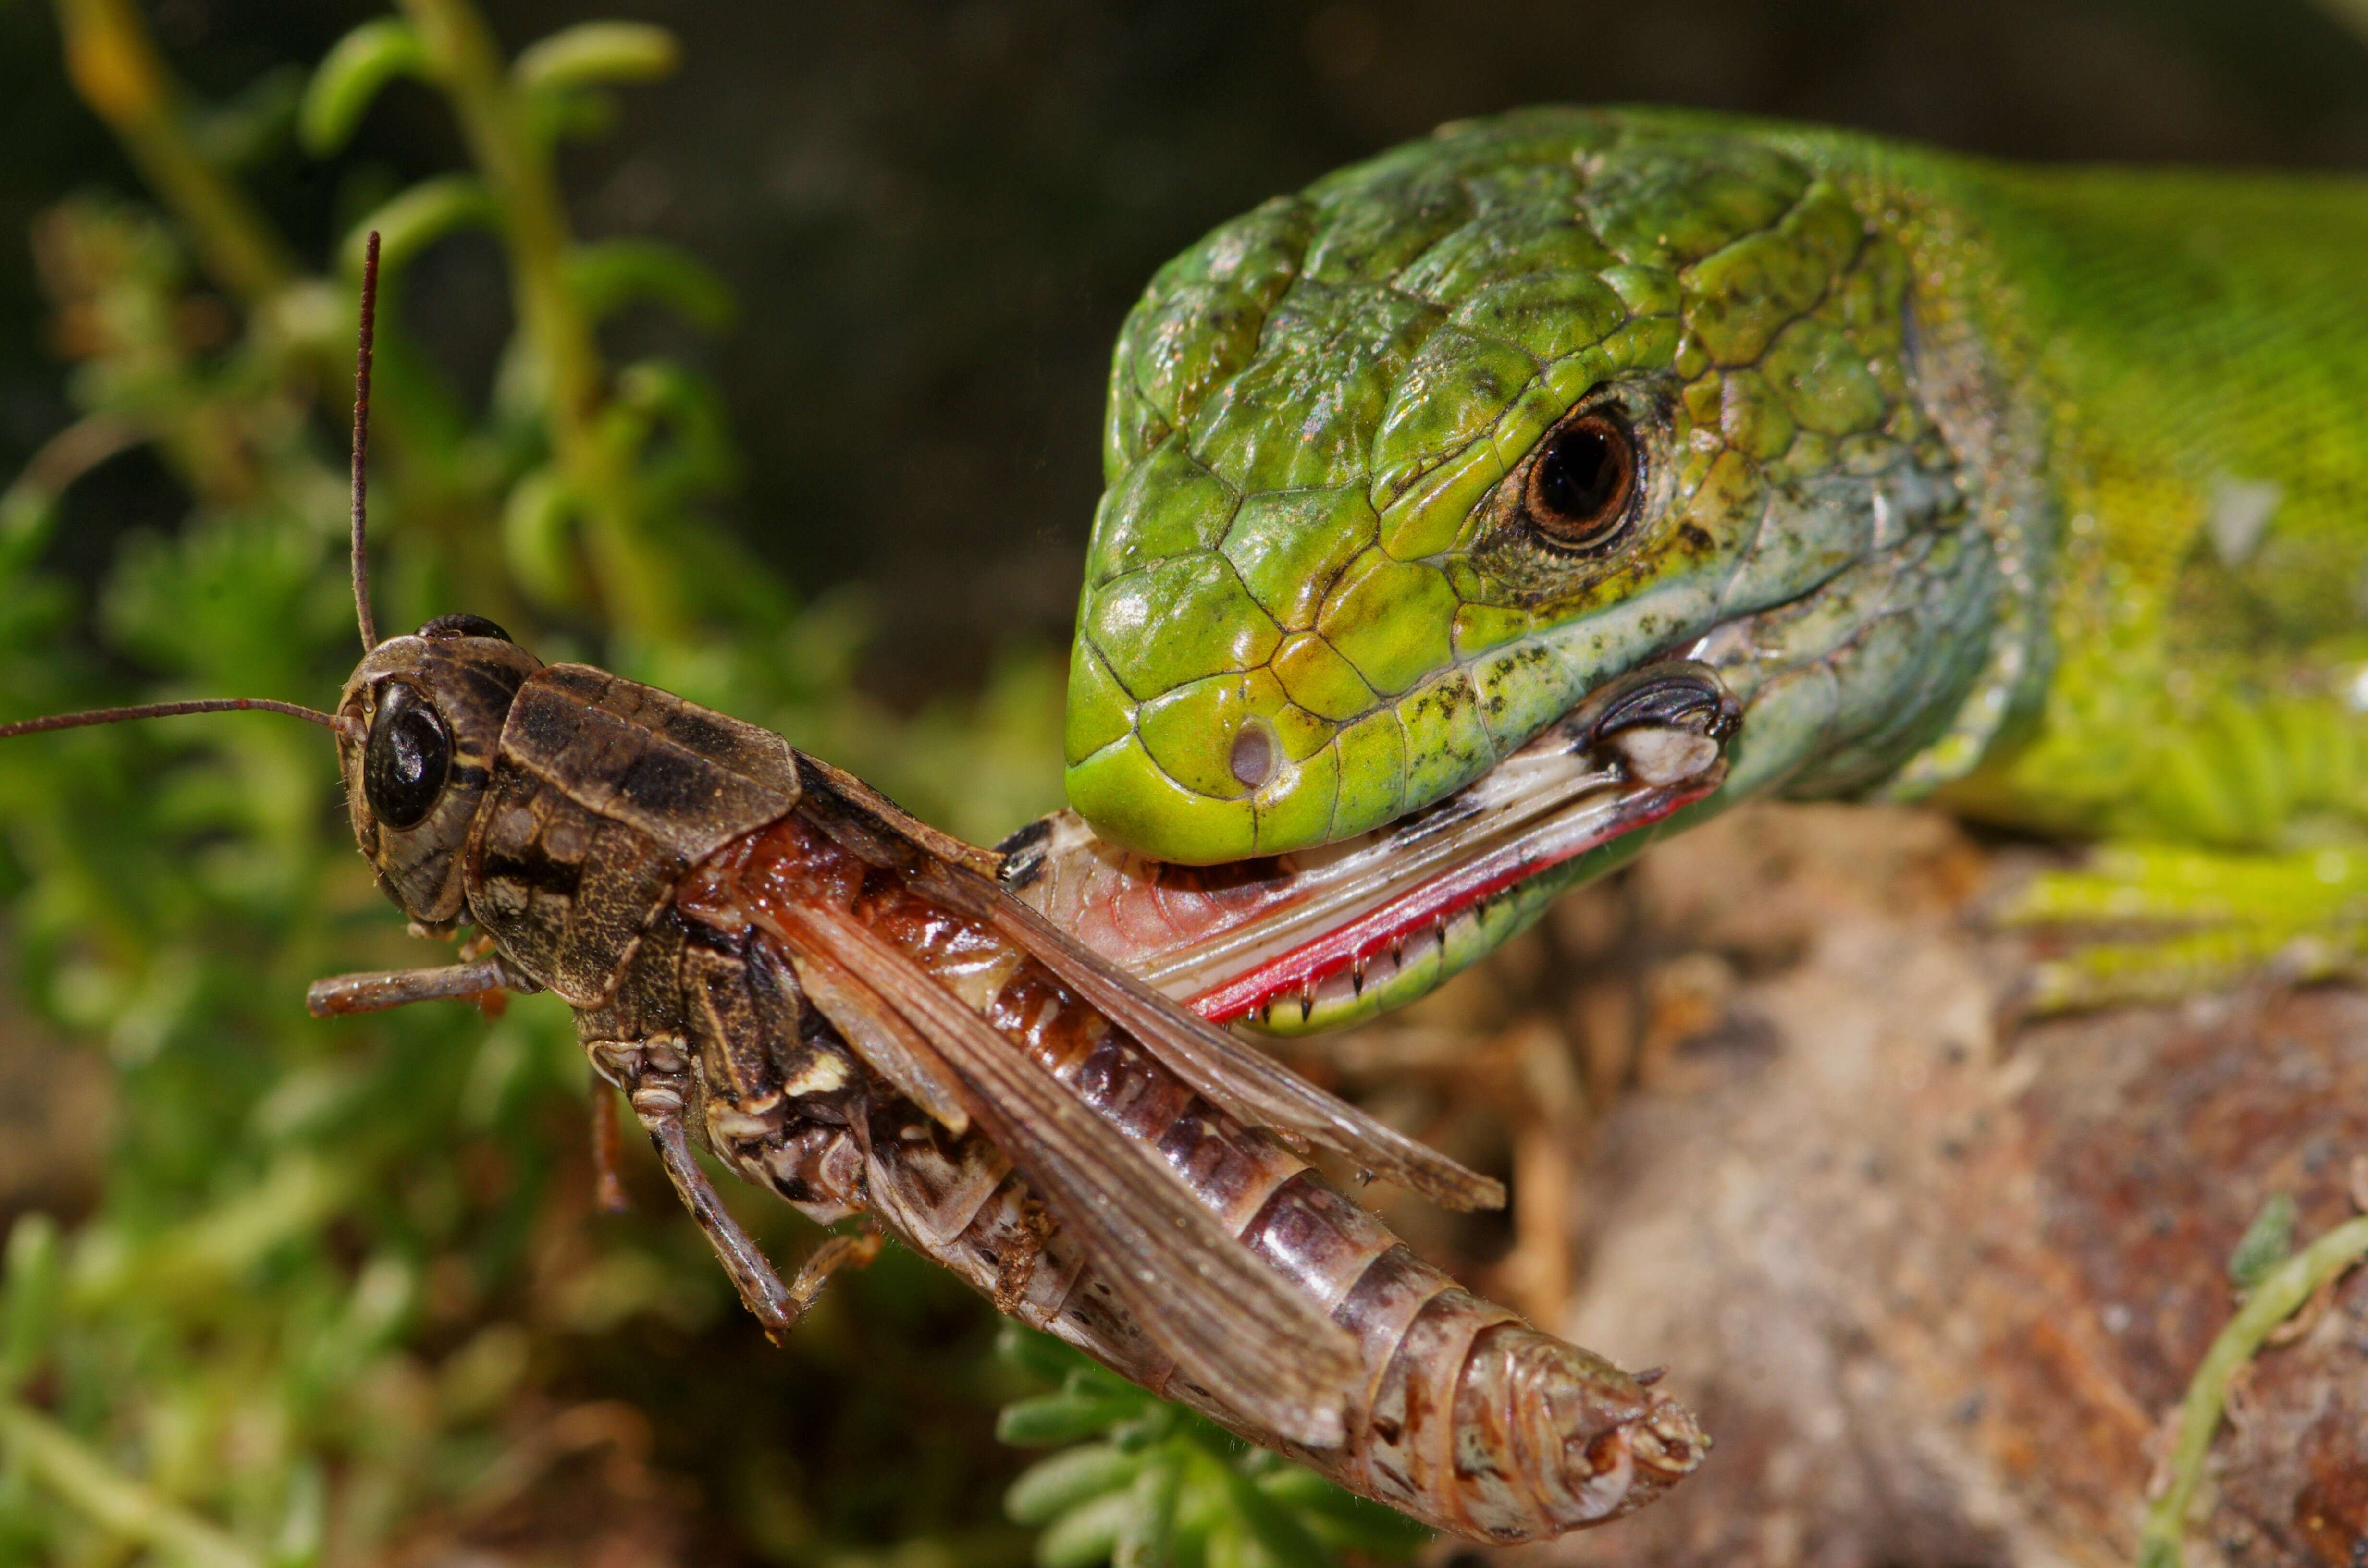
[{"x": 1233, "y": 940}]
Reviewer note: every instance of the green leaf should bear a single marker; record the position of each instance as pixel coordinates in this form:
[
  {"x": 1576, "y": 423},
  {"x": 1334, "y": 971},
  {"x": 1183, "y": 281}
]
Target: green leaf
[
  {"x": 579, "y": 114},
  {"x": 418, "y": 218},
  {"x": 696, "y": 456},
  {"x": 1165, "y": 1488},
  {"x": 349, "y": 77},
  {"x": 1062, "y": 1417},
  {"x": 29, "y": 1293},
  {"x": 2265, "y": 1243},
  {"x": 612, "y": 274},
  {"x": 539, "y": 539},
  {"x": 1040, "y": 1355},
  {"x": 1285, "y": 1539},
  {"x": 1149, "y": 1538},
  {"x": 1089, "y": 1534},
  {"x": 1052, "y": 1487},
  {"x": 1341, "y": 1519},
  {"x": 300, "y": 1539},
  {"x": 1152, "y": 1421},
  {"x": 592, "y": 52},
  {"x": 252, "y": 125}
]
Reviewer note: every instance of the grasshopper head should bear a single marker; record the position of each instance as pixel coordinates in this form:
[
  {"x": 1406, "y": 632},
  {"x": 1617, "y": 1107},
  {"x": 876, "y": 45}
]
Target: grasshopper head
[{"x": 417, "y": 724}]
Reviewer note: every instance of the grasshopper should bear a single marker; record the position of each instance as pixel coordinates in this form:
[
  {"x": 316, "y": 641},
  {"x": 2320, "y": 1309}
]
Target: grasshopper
[{"x": 847, "y": 1008}]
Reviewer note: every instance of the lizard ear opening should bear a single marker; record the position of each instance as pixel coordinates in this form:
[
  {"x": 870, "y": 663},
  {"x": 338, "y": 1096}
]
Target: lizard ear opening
[{"x": 1253, "y": 757}]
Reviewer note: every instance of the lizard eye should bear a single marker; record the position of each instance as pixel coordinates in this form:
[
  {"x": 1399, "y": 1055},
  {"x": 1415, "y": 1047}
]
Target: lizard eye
[
  {"x": 1582, "y": 484},
  {"x": 408, "y": 758}
]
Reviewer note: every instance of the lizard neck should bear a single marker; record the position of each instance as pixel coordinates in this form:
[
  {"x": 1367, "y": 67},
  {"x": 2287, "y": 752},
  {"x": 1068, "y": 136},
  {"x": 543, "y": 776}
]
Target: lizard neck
[
  {"x": 1973, "y": 365},
  {"x": 2198, "y": 356},
  {"x": 2158, "y": 383}
]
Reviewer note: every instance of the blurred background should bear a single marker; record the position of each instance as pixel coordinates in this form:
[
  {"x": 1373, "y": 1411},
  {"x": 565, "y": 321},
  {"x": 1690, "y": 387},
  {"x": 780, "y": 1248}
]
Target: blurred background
[
  {"x": 932, "y": 217},
  {"x": 804, "y": 424}
]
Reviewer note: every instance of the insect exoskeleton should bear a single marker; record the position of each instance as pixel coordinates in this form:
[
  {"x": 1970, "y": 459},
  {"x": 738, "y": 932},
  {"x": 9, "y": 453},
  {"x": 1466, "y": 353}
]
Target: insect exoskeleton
[{"x": 853, "y": 1011}]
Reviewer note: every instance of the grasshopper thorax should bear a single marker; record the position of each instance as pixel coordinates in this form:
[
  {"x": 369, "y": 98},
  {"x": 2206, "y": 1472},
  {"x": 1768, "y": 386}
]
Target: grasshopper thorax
[{"x": 419, "y": 724}]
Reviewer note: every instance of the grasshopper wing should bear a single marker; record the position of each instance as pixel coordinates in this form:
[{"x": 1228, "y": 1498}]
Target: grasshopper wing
[
  {"x": 1245, "y": 1083},
  {"x": 1234, "y": 1324},
  {"x": 1249, "y": 1085}
]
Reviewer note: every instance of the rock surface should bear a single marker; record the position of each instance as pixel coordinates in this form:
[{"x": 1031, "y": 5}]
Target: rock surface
[{"x": 1934, "y": 1283}]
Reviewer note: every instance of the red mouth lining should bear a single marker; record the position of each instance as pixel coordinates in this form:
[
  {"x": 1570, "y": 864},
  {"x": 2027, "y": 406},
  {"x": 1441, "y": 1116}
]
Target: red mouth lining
[{"x": 1302, "y": 968}]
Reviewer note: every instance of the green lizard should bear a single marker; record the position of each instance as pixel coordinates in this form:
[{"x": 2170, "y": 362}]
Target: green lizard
[{"x": 2040, "y": 491}]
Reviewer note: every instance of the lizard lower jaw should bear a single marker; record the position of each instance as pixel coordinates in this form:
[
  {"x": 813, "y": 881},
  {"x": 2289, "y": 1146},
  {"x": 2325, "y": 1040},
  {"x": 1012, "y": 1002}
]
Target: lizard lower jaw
[{"x": 1231, "y": 940}]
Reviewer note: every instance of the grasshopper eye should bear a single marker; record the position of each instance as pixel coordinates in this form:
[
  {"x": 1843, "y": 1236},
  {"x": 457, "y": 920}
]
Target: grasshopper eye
[
  {"x": 408, "y": 758},
  {"x": 1582, "y": 484}
]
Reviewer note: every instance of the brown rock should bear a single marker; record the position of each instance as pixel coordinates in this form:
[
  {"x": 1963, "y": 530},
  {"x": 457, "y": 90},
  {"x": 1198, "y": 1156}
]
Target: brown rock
[{"x": 1935, "y": 1286}]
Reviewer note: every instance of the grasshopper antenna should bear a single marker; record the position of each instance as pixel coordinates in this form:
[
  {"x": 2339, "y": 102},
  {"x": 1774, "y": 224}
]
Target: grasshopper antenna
[
  {"x": 361, "y": 570},
  {"x": 361, "y": 442},
  {"x": 167, "y": 709}
]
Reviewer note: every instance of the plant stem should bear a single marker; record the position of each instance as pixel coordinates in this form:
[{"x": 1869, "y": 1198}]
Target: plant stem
[
  {"x": 2276, "y": 1298},
  {"x": 115, "y": 1502},
  {"x": 26, "y": 505},
  {"x": 114, "y": 64},
  {"x": 2353, "y": 14},
  {"x": 635, "y": 584},
  {"x": 113, "y": 61}
]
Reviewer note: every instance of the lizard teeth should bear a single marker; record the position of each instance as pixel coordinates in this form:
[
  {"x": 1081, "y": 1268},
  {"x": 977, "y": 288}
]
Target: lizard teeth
[{"x": 1658, "y": 755}]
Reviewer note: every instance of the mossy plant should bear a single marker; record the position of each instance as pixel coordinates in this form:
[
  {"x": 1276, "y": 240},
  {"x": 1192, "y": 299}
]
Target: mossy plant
[{"x": 1139, "y": 1482}]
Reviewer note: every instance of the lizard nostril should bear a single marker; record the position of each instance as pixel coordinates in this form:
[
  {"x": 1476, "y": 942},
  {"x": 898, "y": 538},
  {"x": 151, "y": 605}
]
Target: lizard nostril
[{"x": 1253, "y": 757}]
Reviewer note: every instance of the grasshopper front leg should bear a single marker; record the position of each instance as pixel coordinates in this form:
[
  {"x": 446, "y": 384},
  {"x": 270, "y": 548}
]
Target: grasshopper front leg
[
  {"x": 381, "y": 989},
  {"x": 491, "y": 973}
]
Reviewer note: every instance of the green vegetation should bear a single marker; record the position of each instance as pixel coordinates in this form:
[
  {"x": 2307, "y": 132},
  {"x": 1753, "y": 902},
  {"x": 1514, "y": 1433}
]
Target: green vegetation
[
  {"x": 1145, "y": 1481},
  {"x": 2276, "y": 1284}
]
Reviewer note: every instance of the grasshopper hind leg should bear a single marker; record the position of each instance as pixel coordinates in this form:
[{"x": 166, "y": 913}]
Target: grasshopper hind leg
[
  {"x": 751, "y": 1275},
  {"x": 853, "y": 1249},
  {"x": 656, "y": 1077}
]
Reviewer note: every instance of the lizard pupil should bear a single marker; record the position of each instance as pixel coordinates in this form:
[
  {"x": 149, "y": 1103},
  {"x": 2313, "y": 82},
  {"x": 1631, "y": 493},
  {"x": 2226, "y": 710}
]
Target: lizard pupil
[
  {"x": 408, "y": 758},
  {"x": 1580, "y": 486}
]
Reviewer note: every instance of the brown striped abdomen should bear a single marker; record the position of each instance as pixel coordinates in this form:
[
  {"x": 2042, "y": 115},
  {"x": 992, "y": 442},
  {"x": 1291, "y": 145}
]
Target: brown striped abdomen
[{"x": 1468, "y": 1418}]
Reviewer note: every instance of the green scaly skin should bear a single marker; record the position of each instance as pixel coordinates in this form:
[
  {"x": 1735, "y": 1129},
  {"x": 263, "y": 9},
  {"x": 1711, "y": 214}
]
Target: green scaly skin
[{"x": 2046, "y": 490}]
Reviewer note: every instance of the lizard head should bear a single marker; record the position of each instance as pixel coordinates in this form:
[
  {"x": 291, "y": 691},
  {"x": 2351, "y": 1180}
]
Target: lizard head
[{"x": 1404, "y": 469}]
